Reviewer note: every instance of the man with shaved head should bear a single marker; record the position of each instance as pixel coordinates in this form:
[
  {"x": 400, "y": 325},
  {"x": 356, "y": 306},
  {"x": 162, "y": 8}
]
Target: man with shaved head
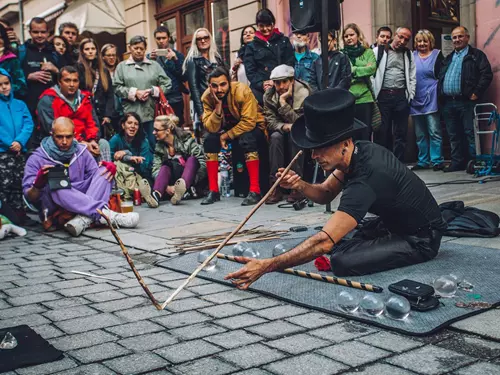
[
  {"x": 464, "y": 78},
  {"x": 81, "y": 187}
]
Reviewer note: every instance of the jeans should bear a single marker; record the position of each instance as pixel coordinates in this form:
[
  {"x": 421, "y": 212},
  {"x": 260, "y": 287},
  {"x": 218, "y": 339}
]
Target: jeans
[
  {"x": 429, "y": 140},
  {"x": 395, "y": 110},
  {"x": 459, "y": 118}
]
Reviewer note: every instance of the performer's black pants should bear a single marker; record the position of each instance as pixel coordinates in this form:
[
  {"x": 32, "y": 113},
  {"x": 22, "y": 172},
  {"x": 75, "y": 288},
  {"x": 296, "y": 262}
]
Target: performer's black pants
[
  {"x": 374, "y": 249},
  {"x": 249, "y": 141}
]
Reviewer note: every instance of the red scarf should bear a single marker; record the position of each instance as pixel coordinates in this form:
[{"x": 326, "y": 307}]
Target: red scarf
[{"x": 259, "y": 35}]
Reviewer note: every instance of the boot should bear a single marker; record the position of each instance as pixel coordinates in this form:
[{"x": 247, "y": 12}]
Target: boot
[
  {"x": 251, "y": 199},
  {"x": 211, "y": 198},
  {"x": 276, "y": 196}
]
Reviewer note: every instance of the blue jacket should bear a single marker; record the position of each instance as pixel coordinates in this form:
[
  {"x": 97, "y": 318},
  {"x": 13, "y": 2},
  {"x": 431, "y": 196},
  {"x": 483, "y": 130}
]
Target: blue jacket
[
  {"x": 173, "y": 70},
  {"x": 16, "y": 123},
  {"x": 304, "y": 66}
]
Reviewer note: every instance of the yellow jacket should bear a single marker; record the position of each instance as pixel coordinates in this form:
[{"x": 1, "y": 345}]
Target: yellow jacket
[{"x": 243, "y": 107}]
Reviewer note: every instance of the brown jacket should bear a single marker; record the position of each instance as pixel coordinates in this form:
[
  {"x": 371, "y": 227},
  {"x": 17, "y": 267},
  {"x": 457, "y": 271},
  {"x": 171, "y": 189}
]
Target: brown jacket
[
  {"x": 278, "y": 115},
  {"x": 243, "y": 107}
]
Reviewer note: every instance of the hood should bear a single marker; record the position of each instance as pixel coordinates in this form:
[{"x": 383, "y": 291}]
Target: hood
[
  {"x": 7, "y": 56},
  {"x": 266, "y": 39},
  {"x": 11, "y": 96}
]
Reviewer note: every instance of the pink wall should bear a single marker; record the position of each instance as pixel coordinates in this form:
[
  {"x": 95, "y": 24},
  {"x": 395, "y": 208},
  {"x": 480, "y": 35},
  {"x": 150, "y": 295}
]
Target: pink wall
[{"x": 359, "y": 12}]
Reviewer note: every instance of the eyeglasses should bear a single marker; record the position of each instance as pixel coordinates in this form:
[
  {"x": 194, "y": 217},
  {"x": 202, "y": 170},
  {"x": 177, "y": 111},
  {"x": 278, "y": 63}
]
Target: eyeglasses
[
  {"x": 156, "y": 130},
  {"x": 202, "y": 38},
  {"x": 221, "y": 85}
]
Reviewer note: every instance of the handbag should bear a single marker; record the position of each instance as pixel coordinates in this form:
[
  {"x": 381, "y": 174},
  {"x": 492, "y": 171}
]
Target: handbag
[{"x": 162, "y": 107}]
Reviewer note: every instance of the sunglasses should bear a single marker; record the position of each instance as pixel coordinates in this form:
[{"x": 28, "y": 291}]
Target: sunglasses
[
  {"x": 156, "y": 130},
  {"x": 202, "y": 38}
]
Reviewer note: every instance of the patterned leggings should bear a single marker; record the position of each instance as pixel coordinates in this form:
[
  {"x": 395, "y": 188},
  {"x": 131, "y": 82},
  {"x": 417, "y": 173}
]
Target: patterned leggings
[{"x": 11, "y": 170}]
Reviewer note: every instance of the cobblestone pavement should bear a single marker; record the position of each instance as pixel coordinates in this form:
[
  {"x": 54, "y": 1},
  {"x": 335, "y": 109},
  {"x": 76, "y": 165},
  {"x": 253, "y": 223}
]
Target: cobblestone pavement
[{"x": 109, "y": 326}]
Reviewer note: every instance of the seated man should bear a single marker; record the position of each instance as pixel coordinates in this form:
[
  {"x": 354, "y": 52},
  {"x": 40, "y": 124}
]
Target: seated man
[
  {"x": 66, "y": 100},
  {"x": 409, "y": 227},
  {"x": 283, "y": 105},
  {"x": 88, "y": 188},
  {"x": 230, "y": 114}
]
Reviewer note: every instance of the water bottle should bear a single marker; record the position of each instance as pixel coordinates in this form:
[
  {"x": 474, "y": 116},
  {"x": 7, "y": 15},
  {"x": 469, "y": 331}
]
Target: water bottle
[{"x": 224, "y": 188}]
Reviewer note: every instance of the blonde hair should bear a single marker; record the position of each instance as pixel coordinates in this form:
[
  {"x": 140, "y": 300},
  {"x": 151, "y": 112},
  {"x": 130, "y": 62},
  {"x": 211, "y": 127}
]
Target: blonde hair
[
  {"x": 168, "y": 122},
  {"x": 427, "y": 36},
  {"x": 213, "y": 52},
  {"x": 359, "y": 33}
]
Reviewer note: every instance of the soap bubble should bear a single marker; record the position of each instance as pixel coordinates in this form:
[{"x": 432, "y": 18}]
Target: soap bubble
[
  {"x": 279, "y": 249},
  {"x": 251, "y": 253},
  {"x": 445, "y": 286},
  {"x": 239, "y": 248},
  {"x": 203, "y": 255},
  {"x": 372, "y": 305},
  {"x": 347, "y": 301},
  {"x": 397, "y": 307},
  {"x": 8, "y": 342}
]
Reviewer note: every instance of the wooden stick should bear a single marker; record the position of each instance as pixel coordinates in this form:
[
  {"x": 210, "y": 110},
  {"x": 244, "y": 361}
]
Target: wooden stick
[
  {"x": 211, "y": 246},
  {"x": 319, "y": 277},
  {"x": 236, "y": 230},
  {"x": 92, "y": 275},
  {"x": 131, "y": 262}
]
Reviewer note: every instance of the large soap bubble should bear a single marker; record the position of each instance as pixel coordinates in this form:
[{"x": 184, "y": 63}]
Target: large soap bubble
[
  {"x": 251, "y": 253},
  {"x": 347, "y": 301},
  {"x": 279, "y": 249},
  {"x": 372, "y": 305},
  {"x": 203, "y": 255},
  {"x": 445, "y": 286},
  {"x": 397, "y": 307},
  {"x": 240, "y": 248}
]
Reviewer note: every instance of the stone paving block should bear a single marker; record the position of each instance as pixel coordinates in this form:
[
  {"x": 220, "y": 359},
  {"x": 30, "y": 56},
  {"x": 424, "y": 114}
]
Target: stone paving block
[
  {"x": 99, "y": 352},
  {"x": 481, "y": 368},
  {"x": 431, "y": 360},
  {"x": 230, "y": 296},
  {"x": 275, "y": 329},
  {"x": 28, "y": 290},
  {"x": 472, "y": 346},
  {"x": 187, "y": 351},
  {"x": 30, "y": 320},
  {"x": 37, "y": 263},
  {"x": 197, "y": 331},
  {"x": 38, "y": 274},
  {"x": 48, "y": 368},
  {"x": 188, "y": 304},
  {"x": 122, "y": 304},
  {"x": 380, "y": 368},
  {"x": 66, "y": 302},
  {"x": 140, "y": 313},
  {"x": 15, "y": 277},
  {"x": 148, "y": 342},
  {"x": 234, "y": 339},
  {"x": 485, "y": 324},
  {"x": 88, "y": 323},
  {"x": 37, "y": 280},
  {"x": 306, "y": 364},
  {"x": 66, "y": 272},
  {"x": 69, "y": 313},
  {"x": 21, "y": 310},
  {"x": 280, "y": 312},
  {"x": 109, "y": 295},
  {"x": 176, "y": 283},
  {"x": 313, "y": 320},
  {"x": 240, "y": 321},
  {"x": 4, "y": 304},
  {"x": 108, "y": 271},
  {"x": 80, "y": 291},
  {"x": 353, "y": 353},
  {"x": 212, "y": 366},
  {"x": 82, "y": 340},
  {"x": 63, "y": 259},
  {"x": 223, "y": 311},
  {"x": 93, "y": 369},
  {"x": 254, "y": 371},
  {"x": 209, "y": 288},
  {"x": 128, "y": 283},
  {"x": 51, "y": 268},
  {"x": 342, "y": 332},
  {"x": 135, "y": 329},
  {"x": 297, "y": 344},
  {"x": 391, "y": 342},
  {"x": 48, "y": 331},
  {"x": 136, "y": 363},
  {"x": 251, "y": 356},
  {"x": 181, "y": 319},
  {"x": 71, "y": 284}
]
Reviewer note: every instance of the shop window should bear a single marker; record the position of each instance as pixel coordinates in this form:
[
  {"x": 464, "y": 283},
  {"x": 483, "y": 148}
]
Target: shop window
[
  {"x": 171, "y": 25},
  {"x": 220, "y": 25},
  {"x": 193, "y": 21}
]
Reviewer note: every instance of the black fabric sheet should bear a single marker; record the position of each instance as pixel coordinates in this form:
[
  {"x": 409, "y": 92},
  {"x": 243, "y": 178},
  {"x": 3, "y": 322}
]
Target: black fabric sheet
[{"x": 469, "y": 221}]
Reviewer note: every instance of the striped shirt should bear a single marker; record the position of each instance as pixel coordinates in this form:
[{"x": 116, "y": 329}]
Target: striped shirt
[{"x": 453, "y": 79}]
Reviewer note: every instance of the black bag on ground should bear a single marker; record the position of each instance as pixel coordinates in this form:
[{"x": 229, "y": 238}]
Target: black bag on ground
[{"x": 420, "y": 296}]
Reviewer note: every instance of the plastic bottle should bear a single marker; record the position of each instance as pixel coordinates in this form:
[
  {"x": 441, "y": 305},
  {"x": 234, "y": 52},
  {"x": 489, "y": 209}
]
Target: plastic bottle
[{"x": 224, "y": 188}]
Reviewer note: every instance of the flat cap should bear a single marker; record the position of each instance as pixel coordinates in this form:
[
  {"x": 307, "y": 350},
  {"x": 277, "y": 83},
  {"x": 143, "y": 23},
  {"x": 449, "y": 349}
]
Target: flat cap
[{"x": 282, "y": 72}]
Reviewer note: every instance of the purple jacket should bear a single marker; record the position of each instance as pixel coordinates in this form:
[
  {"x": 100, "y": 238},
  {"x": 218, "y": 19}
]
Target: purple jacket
[{"x": 82, "y": 166}]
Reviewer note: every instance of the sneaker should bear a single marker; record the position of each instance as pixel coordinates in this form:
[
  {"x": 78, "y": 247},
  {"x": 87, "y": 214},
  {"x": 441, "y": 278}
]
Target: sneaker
[
  {"x": 145, "y": 190},
  {"x": 128, "y": 220},
  {"x": 77, "y": 225},
  {"x": 179, "y": 190},
  {"x": 157, "y": 196}
]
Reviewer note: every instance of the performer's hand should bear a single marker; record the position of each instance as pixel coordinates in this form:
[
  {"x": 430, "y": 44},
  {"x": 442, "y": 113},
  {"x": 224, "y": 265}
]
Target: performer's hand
[
  {"x": 42, "y": 177},
  {"x": 110, "y": 171},
  {"x": 249, "y": 273},
  {"x": 291, "y": 180},
  {"x": 223, "y": 140}
]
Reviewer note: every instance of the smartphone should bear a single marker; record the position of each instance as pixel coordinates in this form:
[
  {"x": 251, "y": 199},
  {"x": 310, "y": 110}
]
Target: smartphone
[
  {"x": 58, "y": 177},
  {"x": 162, "y": 52}
]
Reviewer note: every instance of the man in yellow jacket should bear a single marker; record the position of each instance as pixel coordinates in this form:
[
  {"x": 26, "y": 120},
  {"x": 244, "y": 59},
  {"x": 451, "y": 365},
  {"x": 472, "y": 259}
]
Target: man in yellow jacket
[{"x": 231, "y": 114}]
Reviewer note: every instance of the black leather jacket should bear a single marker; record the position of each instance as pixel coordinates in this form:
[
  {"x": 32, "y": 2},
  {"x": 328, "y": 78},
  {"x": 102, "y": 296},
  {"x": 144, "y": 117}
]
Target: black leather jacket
[
  {"x": 339, "y": 72},
  {"x": 197, "y": 71},
  {"x": 476, "y": 73}
]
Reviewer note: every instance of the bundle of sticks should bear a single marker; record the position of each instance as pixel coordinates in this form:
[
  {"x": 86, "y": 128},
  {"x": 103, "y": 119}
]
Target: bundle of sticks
[{"x": 199, "y": 243}]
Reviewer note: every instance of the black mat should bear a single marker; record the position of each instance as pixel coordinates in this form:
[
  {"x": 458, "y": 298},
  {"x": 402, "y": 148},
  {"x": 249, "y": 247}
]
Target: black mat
[
  {"x": 32, "y": 349},
  {"x": 477, "y": 265}
]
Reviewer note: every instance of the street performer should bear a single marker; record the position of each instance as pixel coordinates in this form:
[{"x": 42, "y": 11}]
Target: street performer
[{"x": 409, "y": 225}]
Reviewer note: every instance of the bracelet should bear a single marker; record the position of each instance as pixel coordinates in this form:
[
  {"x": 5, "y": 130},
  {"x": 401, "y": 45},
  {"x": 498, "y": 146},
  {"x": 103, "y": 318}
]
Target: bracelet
[{"x": 330, "y": 237}]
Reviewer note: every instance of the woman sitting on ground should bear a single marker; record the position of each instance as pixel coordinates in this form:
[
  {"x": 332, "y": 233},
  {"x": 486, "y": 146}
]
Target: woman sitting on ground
[
  {"x": 133, "y": 158},
  {"x": 179, "y": 162}
]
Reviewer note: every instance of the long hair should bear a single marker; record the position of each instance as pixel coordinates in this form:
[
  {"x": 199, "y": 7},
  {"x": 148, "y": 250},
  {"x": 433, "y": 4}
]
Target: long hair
[
  {"x": 107, "y": 47},
  {"x": 213, "y": 52},
  {"x": 5, "y": 38},
  {"x": 139, "y": 136},
  {"x": 89, "y": 69},
  {"x": 359, "y": 33}
]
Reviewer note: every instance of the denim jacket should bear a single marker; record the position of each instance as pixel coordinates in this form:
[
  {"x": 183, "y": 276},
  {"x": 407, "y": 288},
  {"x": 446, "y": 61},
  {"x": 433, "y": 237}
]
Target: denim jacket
[{"x": 304, "y": 66}]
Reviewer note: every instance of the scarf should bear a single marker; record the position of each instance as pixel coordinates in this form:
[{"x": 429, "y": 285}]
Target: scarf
[
  {"x": 55, "y": 153},
  {"x": 259, "y": 35},
  {"x": 353, "y": 52}
]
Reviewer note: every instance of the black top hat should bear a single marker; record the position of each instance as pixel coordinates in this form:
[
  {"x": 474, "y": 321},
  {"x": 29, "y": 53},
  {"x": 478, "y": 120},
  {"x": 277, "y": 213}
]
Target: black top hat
[{"x": 328, "y": 119}]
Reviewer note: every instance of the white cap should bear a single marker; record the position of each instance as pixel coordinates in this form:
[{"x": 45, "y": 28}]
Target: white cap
[{"x": 282, "y": 72}]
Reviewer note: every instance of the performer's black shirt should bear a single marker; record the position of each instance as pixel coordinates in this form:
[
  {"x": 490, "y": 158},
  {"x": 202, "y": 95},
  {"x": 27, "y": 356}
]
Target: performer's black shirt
[{"x": 379, "y": 183}]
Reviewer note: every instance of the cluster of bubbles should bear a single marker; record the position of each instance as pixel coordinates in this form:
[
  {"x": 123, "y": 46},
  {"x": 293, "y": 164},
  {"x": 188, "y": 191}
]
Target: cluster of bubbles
[
  {"x": 395, "y": 307},
  {"x": 203, "y": 255}
]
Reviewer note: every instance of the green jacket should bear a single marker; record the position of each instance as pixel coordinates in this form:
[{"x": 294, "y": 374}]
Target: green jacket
[
  {"x": 186, "y": 145},
  {"x": 131, "y": 76},
  {"x": 364, "y": 67}
]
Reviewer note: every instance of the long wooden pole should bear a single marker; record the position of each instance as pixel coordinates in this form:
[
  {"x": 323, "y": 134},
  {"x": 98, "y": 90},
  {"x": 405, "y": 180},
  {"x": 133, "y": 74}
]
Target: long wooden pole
[
  {"x": 319, "y": 277},
  {"x": 131, "y": 262},
  {"x": 211, "y": 246},
  {"x": 231, "y": 235}
]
